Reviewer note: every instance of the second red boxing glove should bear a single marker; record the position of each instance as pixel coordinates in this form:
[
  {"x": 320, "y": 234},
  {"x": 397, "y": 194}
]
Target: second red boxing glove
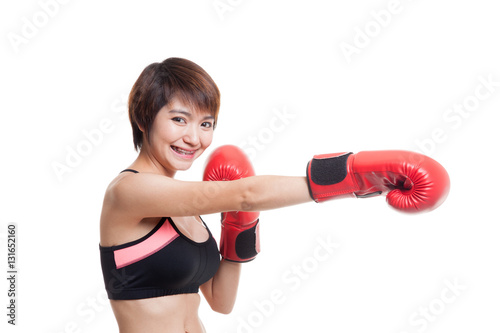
[
  {"x": 413, "y": 182},
  {"x": 239, "y": 230}
]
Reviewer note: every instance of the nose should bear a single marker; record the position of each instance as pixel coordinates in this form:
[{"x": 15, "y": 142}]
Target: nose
[{"x": 192, "y": 135}]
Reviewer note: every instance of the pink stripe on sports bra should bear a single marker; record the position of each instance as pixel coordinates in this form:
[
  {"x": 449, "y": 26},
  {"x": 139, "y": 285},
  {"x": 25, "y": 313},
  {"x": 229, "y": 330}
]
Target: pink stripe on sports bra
[{"x": 161, "y": 238}]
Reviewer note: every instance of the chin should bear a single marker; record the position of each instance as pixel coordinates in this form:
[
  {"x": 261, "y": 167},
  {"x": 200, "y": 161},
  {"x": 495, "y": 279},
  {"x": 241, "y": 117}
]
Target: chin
[
  {"x": 183, "y": 165},
  {"x": 183, "y": 168}
]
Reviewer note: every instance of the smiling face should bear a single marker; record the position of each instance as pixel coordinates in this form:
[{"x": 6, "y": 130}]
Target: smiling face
[
  {"x": 160, "y": 84},
  {"x": 178, "y": 136}
]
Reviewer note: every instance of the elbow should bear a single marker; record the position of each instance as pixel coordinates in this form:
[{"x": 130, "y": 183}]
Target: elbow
[
  {"x": 222, "y": 308},
  {"x": 249, "y": 198},
  {"x": 246, "y": 203},
  {"x": 223, "y": 304},
  {"x": 224, "y": 311}
]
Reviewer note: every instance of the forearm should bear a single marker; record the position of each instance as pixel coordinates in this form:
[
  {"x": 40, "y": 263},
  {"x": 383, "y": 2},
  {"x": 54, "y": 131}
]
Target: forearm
[
  {"x": 271, "y": 192},
  {"x": 221, "y": 294}
]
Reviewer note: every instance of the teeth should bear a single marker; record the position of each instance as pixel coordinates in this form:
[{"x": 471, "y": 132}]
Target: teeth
[{"x": 182, "y": 151}]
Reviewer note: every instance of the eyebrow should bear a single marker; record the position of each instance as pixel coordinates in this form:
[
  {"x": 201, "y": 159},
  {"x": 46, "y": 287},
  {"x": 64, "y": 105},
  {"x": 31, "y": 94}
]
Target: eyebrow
[{"x": 188, "y": 114}]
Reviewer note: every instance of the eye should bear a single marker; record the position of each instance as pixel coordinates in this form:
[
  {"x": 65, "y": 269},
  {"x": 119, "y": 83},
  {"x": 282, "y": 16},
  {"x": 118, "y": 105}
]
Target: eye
[
  {"x": 179, "y": 120},
  {"x": 207, "y": 124}
]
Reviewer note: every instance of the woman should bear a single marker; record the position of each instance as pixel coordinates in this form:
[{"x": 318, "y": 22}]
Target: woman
[
  {"x": 173, "y": 109},
  {"x": 156, "y": 252}
]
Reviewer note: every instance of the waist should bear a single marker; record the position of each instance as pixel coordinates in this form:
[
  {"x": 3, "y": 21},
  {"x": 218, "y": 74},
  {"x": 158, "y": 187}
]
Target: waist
[{"x": 175, "y": 313}]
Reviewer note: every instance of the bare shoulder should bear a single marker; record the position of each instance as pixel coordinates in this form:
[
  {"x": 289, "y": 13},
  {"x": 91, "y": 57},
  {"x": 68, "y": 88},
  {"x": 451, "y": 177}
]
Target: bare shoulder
[
  {"x": 111, "y": 211},
  {"x": 126, "y": 188},
  {"x": 115, "y": 189},
  {"x": 123, "y": 217},
  {"x": 141, "y": 195}
]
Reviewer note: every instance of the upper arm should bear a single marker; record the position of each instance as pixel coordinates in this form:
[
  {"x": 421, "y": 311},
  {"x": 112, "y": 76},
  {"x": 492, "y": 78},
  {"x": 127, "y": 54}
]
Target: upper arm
[{"x": 147, "y": 195}]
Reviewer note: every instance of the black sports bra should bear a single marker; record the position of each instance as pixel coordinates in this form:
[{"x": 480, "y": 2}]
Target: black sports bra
[{"x": 164, "y": 262}]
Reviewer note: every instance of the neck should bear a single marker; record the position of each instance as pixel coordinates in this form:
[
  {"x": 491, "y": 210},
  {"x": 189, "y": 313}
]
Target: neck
[{"x": 146, "y": 162}]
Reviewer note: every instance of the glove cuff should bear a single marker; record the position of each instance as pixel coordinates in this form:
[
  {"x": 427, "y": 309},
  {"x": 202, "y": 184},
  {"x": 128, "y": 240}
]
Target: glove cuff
[
  {"x": 330, "y": 176},
  {"x": 240, "y": 244}
]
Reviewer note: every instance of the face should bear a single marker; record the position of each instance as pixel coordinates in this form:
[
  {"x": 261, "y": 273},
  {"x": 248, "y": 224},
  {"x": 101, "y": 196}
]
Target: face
[{"x": 179, "y": 135}]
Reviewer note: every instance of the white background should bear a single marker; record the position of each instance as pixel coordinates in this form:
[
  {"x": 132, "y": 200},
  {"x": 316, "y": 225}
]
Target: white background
[{"x": 73, "y": 67}]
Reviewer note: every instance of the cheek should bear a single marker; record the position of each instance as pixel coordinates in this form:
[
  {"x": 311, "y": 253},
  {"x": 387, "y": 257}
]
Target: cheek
[
  {"x": 164, "y": 133},
  {"x": 207, "y": 138}
]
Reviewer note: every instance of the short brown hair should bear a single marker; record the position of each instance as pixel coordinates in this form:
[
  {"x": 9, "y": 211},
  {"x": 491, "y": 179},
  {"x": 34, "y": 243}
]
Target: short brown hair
[{"x": 160, "y": 83}]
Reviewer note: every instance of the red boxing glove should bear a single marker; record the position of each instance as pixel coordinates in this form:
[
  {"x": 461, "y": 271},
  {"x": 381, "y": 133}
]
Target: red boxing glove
[
  {"x": 240, "y": 230},
  {"x": 413, "y": 182}
]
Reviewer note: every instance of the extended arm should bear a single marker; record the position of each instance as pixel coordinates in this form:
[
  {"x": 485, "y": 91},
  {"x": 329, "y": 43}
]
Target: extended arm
[{"x": 145, "y": 195}]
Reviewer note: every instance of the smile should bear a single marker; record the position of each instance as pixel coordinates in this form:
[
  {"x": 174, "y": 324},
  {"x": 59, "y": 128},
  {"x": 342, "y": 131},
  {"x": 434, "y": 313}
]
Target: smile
[{"x": 183, "y": 153}]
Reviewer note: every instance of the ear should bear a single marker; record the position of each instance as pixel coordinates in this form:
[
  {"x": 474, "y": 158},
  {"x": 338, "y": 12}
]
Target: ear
[{"x": 141, "y": 127}]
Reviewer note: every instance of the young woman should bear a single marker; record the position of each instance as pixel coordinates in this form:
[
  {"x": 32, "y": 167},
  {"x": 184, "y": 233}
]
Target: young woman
[{"x": 156, "y": 251}]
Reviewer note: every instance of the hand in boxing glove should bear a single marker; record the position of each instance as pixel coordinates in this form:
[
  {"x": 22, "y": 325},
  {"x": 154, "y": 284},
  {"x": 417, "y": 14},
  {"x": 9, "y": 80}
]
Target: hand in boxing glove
[
  {"x": 240, "y": 230},
  {"x": 413, "y": 182}
]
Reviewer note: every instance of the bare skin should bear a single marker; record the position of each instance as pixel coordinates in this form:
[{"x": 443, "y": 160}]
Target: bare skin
[
  {"x": 168, "y": 314},
  {"x": 134, "y": 203}
]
